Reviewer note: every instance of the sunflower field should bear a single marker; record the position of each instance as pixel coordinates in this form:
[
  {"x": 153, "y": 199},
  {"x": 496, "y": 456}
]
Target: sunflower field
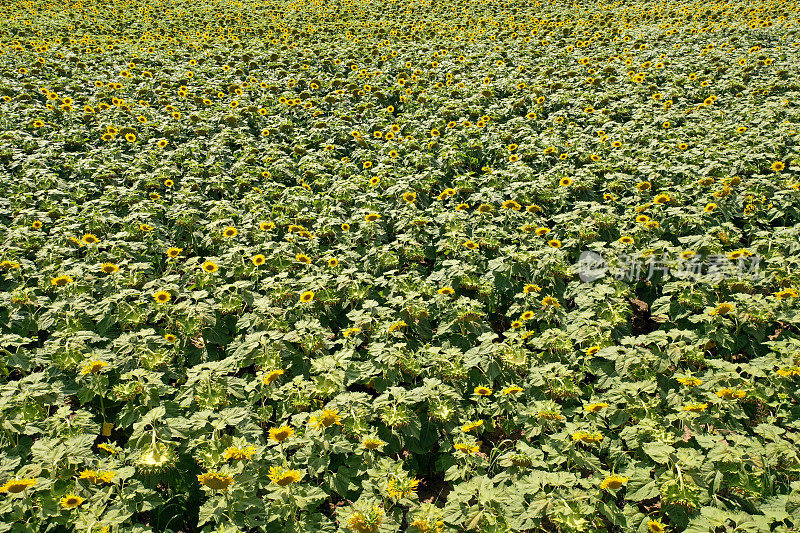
[{"x": 399, "y": 265}]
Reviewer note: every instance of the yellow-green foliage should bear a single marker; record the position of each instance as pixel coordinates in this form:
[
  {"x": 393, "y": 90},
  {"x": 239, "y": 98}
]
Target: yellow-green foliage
[{"x": 317, "y": 266}]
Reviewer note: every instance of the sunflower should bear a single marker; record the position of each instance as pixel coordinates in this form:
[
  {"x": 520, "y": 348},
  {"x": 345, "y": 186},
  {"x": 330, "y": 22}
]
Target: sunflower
[
  {"x": 785, "y": 294},
  {"x": 282, "y": 476},
  {"x": 345, "y": 227},
  {"x": 565, "y": 182},
  {"x": 777, "y": 166},
  {"x": 470, "y": 245},
  {"x": 61, "y": 281},
  {"x": 626, "y": 239},
  {"x": 145, "y": 228},
  {"x": 210, "y": 267},
  {"x": 554, "y": 243},
  {"x": 469, "y": 426},
  {"x": 280, "y": 434},
  {"x": 722, "y": 309},
  {"x": 731, "y": 394},
  {"x": 71, "y": 501},
  {"x": 511, "y": 204},
  {"x": 644, "y": 186},
  {"x": 695, "y": 407},
  {"x": 512, "y": 389},
  {"x": 530, "y": 288},
  {"x": 15, "y": 486},
  {"x": 162, "y": 297},
  {"x": 662, "y": 199},
  {"x": 326, "y": 419},
  {"x": 236, "y": 453},
  {"x": 484, "y": 208},
  {"x": 130, "y": 137},
  {"x": 108, "y": 448},
  {"x": 272, "y": 376},
  {"x": 372, "y": 217},
  {"x": 230, "y": 232},
  {"x": 258, "y": 260},
  {"x": 595, "y": 407},
  {"x": 401, "y": 488},
  {"x": 710, "y": 207},
  {"x": 409, "y": 197},
  {"x": 307, "y": 296},
  {"x": 655, "y": 526},
  {"x": 90, "y": 238},
  {"x": 95, "y": 477},
  {"x": 109, "y": 268},
  {"x": 468, "y": 449},
  {"x": 170, "y": 338},
  {"x": 587, "y": 437},
  {"x": 215, "y": 480},
  {"x": 374, "y": 180},
  {"x": 173, "y": 252},
  {"x": 549, "y": 301},
  {"x": 690, "y": 382},
  {"x": 372, "y": 443},
  {"x": 613, "y": 482},
  {"x": 482, "y": 391}
]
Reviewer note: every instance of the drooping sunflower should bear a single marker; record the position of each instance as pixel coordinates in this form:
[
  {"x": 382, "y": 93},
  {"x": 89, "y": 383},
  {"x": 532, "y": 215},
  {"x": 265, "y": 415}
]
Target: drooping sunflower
[
  {"x": 215, "y": 480},
  {"x": 15, "y": 486}
]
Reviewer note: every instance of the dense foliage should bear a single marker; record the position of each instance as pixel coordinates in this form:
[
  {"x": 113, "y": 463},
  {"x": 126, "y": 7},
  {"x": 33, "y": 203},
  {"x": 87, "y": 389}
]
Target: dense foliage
[{"x": 316, "y": 266}]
